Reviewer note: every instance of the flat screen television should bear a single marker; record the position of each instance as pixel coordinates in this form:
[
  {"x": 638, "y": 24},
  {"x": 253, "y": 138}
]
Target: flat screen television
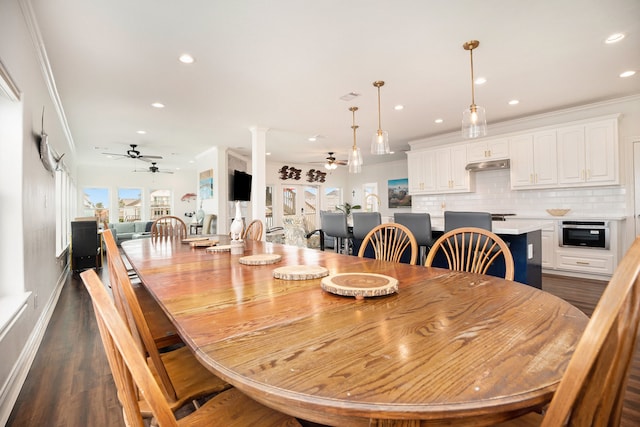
[{"x": 240, "y": 188}]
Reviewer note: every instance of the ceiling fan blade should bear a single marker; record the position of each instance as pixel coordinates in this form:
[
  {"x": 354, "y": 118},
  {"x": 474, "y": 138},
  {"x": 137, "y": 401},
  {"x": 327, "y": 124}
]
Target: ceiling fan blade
[{"x": 142, "y": 157}]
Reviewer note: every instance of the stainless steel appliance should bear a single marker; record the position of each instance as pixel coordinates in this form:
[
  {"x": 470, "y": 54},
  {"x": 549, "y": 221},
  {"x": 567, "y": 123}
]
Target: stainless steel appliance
[{"x": 584, "y": 234}]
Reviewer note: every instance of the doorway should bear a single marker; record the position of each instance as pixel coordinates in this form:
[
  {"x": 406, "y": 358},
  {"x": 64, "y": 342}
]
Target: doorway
[{"x": 302, "y": 200}]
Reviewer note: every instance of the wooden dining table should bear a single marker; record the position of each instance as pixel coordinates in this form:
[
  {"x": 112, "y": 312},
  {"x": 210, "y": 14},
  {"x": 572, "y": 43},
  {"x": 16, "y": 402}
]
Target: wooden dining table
[{"x": 448, "y": 348}]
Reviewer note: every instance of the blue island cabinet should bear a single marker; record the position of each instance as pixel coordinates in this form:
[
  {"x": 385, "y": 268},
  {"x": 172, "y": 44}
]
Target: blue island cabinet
[{"x": 525, "y": 243}]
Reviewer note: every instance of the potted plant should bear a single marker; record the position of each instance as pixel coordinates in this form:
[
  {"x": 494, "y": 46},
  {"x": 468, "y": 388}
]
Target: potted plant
[{"x": 347, "y": 208}]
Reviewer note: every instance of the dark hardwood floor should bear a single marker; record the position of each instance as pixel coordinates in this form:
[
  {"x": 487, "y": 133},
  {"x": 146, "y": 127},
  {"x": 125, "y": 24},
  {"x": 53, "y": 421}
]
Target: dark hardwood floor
[{"x": 70, "y": 383}]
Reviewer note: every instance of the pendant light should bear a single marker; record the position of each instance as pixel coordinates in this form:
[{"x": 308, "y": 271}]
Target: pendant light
[
  {"x": 355, "y": 157},
  {"x": 380, "y": 141},
  {"x": 474, "y": 120}
]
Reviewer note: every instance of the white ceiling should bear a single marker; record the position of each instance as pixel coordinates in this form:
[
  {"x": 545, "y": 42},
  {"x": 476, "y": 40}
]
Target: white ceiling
[{"x": 284, "y": 64}]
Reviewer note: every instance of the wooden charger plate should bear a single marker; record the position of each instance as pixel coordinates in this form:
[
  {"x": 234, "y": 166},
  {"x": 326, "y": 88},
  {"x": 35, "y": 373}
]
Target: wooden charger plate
[
  {"x": 359, "y": 285},
  {"x": 219, "y": 248},
  {"x": 203, "y": 243},
  {"x": 300, "y": 272},
  {"x": 260, "y": 259},
  {"x": 194, "y": 239}
]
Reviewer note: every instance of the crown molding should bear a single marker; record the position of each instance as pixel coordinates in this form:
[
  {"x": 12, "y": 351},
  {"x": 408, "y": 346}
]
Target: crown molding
[
  {"x": 7, "y": 86},
  {"x": 45, "y": 67}
]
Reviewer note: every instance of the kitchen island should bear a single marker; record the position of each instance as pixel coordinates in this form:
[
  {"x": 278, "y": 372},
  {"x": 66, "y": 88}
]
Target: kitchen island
[{"x": 524, "y": 239}]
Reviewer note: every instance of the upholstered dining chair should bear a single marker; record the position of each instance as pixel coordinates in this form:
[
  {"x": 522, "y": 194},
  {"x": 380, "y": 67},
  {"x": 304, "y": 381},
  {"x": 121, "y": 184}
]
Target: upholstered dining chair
[
  {"x": 334, "y": 224},
  {"x": 389, "y": 242},
  {"x": 130, "y": 372},
  {"x": 169, "y": 226},
  {"x": 591, "y": 390},
  {"x": 253, "y": 231},
  {"x": 163, "y": 332},
  {"x": 180, "y": 375},
  {"x": 420, "y": 226},
  {"x": 363, "y": 222},
  {"x": 472, "y": 249}
]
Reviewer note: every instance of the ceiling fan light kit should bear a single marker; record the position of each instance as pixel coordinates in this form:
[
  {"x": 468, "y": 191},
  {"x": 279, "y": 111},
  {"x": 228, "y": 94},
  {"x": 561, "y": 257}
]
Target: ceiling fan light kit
[
  {"x": 474, "y": 119},
  {"x": 380, "y": 140},
  {"x": 355, "y": 156}
]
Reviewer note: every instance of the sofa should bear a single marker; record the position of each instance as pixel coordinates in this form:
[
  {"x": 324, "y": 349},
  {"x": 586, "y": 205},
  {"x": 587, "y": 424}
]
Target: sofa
[{"x": 123, "y": 231}]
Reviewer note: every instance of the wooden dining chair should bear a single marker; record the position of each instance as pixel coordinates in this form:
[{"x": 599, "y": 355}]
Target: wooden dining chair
[
  {"x": 162, "y": 330},
  {"x": 169, "y": 226},
  {"x": 180, "y": 375},
  {"x": 592, "y": 388},
  {"x": 389, "y": 242},
  {"x": 472, "y": 249},
  {"x": 131, "y": 373},
  {"x": 253, "y": 231}
]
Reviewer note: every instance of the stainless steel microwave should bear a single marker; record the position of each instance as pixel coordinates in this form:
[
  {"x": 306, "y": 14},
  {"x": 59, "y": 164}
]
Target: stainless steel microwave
[{"x": 584, "y": 234}]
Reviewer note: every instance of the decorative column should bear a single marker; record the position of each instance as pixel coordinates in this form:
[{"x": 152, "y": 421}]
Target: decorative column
[{"x": 259, "y": 173}]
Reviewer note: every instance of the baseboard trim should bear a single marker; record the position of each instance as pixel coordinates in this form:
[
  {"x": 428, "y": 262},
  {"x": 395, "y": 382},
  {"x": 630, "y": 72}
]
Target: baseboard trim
[{"x": 10, "y": 392}]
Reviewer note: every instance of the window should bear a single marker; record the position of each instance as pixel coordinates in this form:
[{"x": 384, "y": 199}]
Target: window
[
  {"x": 96, "y": 203},
  {"x": 160, "y": 202},
  {"x": 65, "y": 200},
  {"x": 129, "y": 204},
  {"x": 332, "y": 198}
]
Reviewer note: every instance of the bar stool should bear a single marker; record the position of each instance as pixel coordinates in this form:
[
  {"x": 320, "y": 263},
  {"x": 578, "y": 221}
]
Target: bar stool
[
  {"x": 363, "y": 222},
  {"x": 334, "y": 224},
  {"x": 420, "y": 225},
  {"x": 453, "y": 220}
]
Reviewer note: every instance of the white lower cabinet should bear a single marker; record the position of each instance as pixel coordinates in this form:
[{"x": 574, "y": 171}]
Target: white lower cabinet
[
  {"x": 549, "y": 244},
  {"x": 585, "y": 261}
]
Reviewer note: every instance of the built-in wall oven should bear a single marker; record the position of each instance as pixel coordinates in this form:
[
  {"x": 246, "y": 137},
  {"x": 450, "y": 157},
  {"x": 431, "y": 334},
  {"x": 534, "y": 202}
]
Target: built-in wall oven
[{"x": 584, "y": 234}]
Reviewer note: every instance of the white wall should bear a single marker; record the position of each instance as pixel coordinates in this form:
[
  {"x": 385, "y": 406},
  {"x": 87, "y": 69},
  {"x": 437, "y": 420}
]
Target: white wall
[{"x": 32, "y": 257}]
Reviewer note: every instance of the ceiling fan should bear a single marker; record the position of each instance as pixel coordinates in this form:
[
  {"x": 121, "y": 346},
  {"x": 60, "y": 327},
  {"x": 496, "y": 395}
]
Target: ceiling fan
[
  {"x": 332, "y": 163},
  {"x": 134, "y": 154},
  {"x": 153, "y": 169}
]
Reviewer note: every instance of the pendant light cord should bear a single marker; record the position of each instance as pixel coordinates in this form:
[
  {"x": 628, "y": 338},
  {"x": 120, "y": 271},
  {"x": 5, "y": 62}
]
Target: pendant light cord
[{"x": 473, "y": 96}]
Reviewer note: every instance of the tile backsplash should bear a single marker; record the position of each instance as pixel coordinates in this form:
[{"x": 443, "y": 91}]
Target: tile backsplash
[{"x": 493, "y": 194}]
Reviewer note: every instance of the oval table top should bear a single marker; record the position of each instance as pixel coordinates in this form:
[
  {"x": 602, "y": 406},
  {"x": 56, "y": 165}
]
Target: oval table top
[{"x": 448, "y": 348}]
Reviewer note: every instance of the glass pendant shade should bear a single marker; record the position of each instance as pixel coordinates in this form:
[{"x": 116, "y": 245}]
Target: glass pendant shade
[
  {"x": 380, "y": 142},
  {"x": 474, "y": 119},
  {"x": 474, "y": 122},
  {"x": 355, "y": 156},
  {"x": 355, "y": 160}
]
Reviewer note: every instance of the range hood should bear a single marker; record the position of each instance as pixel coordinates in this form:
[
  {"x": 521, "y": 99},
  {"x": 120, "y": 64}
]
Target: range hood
[{"x": 488, "y": 165}]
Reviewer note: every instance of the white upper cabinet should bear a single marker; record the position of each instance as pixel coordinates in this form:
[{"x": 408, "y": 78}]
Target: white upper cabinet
[
  {"x": 588, "y": 154},
  {"x": 421, "y": 169},
  {"x": 533, "y": 160},
  {"x": 451, "y": 175},
  {"x": 495, "y": 149},
  {"x": 440, "y": 170}
]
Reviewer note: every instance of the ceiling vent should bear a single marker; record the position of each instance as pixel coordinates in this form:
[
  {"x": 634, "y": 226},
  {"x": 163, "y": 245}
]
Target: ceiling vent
[{"x": 349, "y": 96}]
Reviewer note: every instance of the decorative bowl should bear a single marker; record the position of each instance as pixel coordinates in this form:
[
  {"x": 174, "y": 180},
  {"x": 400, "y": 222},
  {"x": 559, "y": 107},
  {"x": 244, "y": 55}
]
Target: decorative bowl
[{"x": 558, "y": 212}]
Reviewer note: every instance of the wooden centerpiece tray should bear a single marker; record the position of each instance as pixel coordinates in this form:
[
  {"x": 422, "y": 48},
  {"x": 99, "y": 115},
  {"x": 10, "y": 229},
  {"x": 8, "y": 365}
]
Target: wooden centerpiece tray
[
  {"x": 359, "y": 285},
  {"x": 203, "y": 243},
  {"x": 219, "y": 248}
]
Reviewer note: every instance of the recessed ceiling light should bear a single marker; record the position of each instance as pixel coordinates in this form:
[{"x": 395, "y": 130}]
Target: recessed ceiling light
[
  {"x": 627, "y": 73},
  {"x": 514, "y": 102},
  {"x": 267, "y": 154},
  {"x": 613, "y": 38},
  {"x": 141, "y": 132},
  {"x": 438, "y": 121},
  {"x": 312, "y": 139},
  {"x": 480, "y": 81},
  {"x": 185, "y": 58},
  {"x": 157, "y": 105},
  {"x": 392, "y": 152},
  {"x": 398, "y": 107},
  {"x": 192, "y": 161}
]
